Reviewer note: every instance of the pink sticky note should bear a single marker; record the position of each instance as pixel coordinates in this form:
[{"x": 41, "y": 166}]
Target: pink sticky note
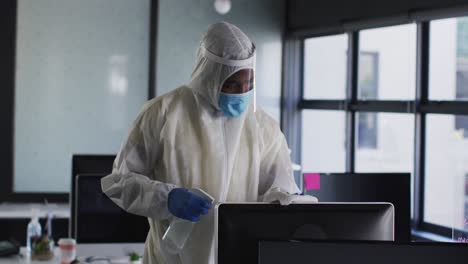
[{"x": 312, "y": 181}]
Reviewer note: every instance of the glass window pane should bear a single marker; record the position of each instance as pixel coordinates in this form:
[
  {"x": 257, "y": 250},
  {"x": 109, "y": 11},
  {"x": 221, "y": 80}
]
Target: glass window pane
[
  {"x": 81, "y": 78},
  {"x": 448, "y": 78},
  {"x": 387, "y": 63},
  {"x": 323, "y": 141},
  {"x": 385, "y": 142},
  {"x": 325, "y": 67},
  {"x": 446, "y": 196}
]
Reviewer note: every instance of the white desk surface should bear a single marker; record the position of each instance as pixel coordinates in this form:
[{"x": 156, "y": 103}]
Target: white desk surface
[
  {"x": 8, "y": 210},
  {"x": 118, "y": 253}
]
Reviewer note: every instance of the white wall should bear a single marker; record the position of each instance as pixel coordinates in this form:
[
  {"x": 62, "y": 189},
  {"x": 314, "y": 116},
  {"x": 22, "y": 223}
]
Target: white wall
[{"x": 81, "y": 78}]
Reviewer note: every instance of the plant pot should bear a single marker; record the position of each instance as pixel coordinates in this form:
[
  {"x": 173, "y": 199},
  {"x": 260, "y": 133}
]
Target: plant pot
[{"x": 43, "y": 256}]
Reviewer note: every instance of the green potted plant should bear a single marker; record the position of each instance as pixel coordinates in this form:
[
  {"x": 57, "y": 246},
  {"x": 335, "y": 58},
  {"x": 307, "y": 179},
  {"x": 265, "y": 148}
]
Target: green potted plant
[
  {"x": 135, "y": 258},
  {"x": 42, "y": 249}
]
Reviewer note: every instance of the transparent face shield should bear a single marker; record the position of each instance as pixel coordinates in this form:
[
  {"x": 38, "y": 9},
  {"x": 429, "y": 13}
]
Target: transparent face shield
[
  {"x": 237, "y": 92},
  {"x": 240, "y": 82},
  {"x": 233, "y": 78}
]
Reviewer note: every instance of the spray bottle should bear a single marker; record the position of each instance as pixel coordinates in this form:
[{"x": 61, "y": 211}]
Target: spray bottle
[
  {"x": 179, "y": 230},
  {"x": 34, "y": 230}
]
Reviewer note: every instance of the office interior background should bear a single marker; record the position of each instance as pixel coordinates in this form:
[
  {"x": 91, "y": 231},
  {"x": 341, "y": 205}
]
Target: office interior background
[{"x": 357, "y": 86}]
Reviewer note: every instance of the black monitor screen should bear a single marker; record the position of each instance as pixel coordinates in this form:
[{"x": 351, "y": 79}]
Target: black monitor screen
[
  {"x": 90, "y": 165},
  {"x": 99, "y": 220}
]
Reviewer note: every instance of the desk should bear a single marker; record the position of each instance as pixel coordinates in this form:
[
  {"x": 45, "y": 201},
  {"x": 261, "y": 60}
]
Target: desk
[
  {"x": 115, "y": 251},
  {"x": 14, "y": 219},
  {"x": 362, "y": 252},
  {"x": 16, "y": 211}
]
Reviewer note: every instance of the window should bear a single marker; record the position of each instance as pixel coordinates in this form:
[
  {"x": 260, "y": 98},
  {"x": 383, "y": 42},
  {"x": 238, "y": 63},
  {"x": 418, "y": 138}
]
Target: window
[
  {"x": 386, "y": 71},
  {"x": 446, "y": 134},
  {"x": 465, "y": 220},
  {"x": 461, "y": 234},
  {"x": 394, "y": 151},
  {"x": 449, "y": 59},
  {"x": 379, "y": 114},
  {"x": 461, "y": 125},
  {"x": 367, "y": 131},
  {"x": 461, "y": 122},
  {"x": 325, "y": 67},
  {"x": 324, "y": 132},
  {"x": 368, "y": 74},
  {"x": 387, "y": 60},
  {"x": 369, "y": 88},
  {"x": 446, "y": 168}
]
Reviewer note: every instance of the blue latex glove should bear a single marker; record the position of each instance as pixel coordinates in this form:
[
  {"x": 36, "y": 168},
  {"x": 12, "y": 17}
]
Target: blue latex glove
[{"x": 186, "y": 205}]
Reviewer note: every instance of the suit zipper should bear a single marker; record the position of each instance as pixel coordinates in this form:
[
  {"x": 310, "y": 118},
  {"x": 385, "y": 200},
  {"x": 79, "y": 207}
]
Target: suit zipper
[{"x": 226, "y": 176}]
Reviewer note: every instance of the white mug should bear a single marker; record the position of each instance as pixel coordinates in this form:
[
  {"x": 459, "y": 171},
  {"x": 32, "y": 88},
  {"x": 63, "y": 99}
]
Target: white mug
[{"x": 67, "y": 250}]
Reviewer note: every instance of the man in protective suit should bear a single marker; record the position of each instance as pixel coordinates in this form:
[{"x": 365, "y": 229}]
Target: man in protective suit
[{"x": 207, "y": 134}]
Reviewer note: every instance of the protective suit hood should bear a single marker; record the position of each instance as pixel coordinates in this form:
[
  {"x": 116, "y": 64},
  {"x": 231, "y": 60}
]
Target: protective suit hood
[{"x": 224, "y": 50}]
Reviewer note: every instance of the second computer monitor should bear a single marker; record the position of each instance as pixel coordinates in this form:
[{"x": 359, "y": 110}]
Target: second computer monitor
[
  {"x": 366, "y": 187},
  {"x": 99, "y": 220},
  {"x": 241, "y": 226}
]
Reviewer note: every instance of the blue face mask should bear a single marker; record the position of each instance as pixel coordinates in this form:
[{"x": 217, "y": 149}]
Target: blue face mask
[{"x": 233, "y": 105}]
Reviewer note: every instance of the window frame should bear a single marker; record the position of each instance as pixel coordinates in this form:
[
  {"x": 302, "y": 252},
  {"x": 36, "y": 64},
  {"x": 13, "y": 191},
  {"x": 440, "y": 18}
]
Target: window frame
[
  {"x": 8, "y": 27},
  {"x": 419, "y": 107}
]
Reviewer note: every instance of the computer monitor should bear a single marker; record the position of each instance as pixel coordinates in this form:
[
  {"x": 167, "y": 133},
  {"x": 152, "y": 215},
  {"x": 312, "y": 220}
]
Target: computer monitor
[
  {"x": 365, "y": 252},
  {"x": 86, "y": 164},
  {"x": 241, "y": 226},
  {"x": 99, "y": 220},
  {"x": 366, "y": 187}
]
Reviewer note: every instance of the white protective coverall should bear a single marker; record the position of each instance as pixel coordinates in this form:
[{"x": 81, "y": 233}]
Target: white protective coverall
[{"x": 182, "y": 139}]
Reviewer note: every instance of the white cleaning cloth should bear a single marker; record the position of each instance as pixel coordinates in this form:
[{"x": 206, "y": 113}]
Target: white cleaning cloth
[{"x": 285, "y": 198}]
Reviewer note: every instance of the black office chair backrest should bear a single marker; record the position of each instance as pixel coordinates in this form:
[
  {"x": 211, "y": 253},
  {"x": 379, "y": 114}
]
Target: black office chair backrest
[
  {"x": 86, "y": 164},
  {"x": 99, "y": 220}
]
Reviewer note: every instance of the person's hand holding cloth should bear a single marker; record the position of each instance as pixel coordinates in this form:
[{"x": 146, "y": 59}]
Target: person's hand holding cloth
[{"x": 284, "y": 198}]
